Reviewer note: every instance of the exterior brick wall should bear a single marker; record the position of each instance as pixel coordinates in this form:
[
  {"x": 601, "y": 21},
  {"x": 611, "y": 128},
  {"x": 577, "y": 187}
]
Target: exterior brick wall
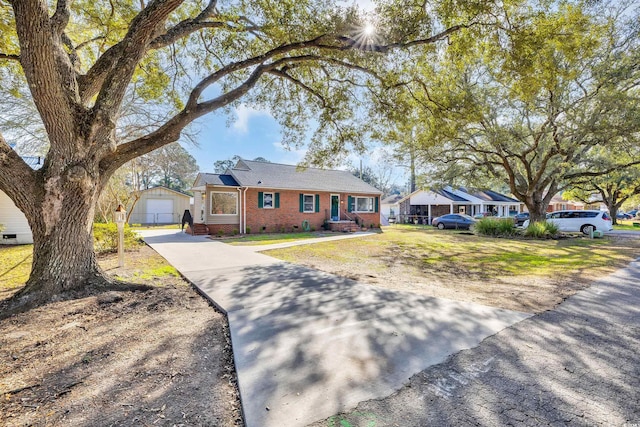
[
  {"x": 288, "y": 217},
  {"x": 441, "y": 210},
  {"x": 225, "y": 229}
]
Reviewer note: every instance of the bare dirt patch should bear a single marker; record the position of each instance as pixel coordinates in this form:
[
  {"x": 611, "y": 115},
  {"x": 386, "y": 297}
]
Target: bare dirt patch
[
  {"x": 160, "y": 357},
  {"x": 458, "y": 267},
  {"x": 529, "y": 294}
]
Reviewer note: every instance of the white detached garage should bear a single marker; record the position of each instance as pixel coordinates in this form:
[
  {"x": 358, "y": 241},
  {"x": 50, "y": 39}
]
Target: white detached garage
[{"x": 160, "y": 205}]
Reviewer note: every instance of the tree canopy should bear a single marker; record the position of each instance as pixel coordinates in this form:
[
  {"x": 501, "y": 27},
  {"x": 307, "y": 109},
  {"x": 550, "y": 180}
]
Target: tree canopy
[
  {"x": 220, "y": 166},
  {"x": 78, "y": 63},
  {"x": 532, "y": 102}
]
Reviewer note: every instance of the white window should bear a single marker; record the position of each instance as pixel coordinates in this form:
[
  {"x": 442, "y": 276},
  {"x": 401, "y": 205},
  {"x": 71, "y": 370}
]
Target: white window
[
  {"x": 364, "y": 204},
  {"x": 224, "y": 203},
  {"x": 267, "y": 200},
  {"x": 308, "y": 203}
]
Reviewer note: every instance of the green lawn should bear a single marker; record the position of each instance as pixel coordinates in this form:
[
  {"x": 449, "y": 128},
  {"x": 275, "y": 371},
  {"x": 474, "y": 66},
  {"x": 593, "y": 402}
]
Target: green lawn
[
  {"x": 142, "y": 265},
  {"x": 431, "y": 250},
  {"x": 269, "y": 238},
  {"x": 15, "y": 266},
  {"x": 627, "y": 225}
]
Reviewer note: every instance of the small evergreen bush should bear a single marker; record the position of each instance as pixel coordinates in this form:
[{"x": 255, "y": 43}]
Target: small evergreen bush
[
  {"x": 506, "y": 226},
  {"x": 541, "y": 229},
  {"x": 495, "y": 227},
  {"x": 105, "y": 238}
]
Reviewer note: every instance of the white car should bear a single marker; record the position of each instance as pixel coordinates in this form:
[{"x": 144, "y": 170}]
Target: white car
[{"x": 579, "y": 221}]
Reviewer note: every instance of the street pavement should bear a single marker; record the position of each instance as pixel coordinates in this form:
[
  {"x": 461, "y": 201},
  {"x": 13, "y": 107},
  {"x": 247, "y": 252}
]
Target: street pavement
[
  {"x": 308, "y": 344},
  {"x": 577, "y": 365}
]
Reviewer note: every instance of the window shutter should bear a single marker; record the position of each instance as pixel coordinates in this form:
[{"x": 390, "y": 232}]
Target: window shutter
[
  {"x": 350, "y": 204},
  {"x": 317, "y": 203},
  {"x": 277, "y": 202},
  {"x": 301, "y": 202},
  {"x": 376, "y": 204},
  {"x": 260, "y": 200}
]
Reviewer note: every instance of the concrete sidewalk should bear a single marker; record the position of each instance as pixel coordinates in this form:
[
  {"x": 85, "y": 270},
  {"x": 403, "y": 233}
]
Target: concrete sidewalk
[
  {"x": 309, "y": 344},
  {"x": 577, "y": 365}
]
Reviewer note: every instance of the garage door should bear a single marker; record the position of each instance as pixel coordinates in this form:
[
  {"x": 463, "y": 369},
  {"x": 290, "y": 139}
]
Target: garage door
[{"x": 160, "y": 211}]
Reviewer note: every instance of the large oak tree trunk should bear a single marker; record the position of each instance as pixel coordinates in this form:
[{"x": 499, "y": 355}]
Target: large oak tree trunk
[
  {"x": 61, "y": 219},
  {"x": 537, "y": 201},
  {"x": 537, "y": 209}
]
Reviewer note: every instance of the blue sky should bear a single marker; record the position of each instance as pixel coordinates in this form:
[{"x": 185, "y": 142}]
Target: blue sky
[{"x": 250, "y": 133}]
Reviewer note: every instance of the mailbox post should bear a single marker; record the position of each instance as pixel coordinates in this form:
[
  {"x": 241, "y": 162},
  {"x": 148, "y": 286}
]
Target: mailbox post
[{"x": 120, "y": 218}]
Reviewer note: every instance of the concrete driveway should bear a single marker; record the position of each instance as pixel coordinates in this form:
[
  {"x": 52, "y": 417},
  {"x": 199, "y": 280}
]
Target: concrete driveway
[{"x": 309, "y": 344}]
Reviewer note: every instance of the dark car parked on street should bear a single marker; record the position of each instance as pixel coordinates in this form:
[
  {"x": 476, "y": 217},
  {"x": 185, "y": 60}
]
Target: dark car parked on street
[
  {"x": 457, "y": 221},
  {"x": 521, "y": 218}
]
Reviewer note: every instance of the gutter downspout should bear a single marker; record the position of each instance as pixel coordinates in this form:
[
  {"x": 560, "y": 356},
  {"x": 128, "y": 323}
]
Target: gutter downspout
[
  {"x": 242, "y": 203},
  {"x": 244, "y": 231}
]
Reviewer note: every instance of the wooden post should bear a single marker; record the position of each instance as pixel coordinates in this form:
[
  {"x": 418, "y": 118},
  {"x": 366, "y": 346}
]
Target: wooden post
[{"x": 120, "y": 217}]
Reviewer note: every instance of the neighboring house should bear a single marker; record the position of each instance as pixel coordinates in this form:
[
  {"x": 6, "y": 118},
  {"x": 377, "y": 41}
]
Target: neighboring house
[
  {"x": 423, "y": 205},
  {"x": 557, "y": 203},
  {"x": 160, "y": 205},
  {"x": 255, "y": 197},
  {"x": 15, "y": 227},
  {"x": 389, "y": 208}
]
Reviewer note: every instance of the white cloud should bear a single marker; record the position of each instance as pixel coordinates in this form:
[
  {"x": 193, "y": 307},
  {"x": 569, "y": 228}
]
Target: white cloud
[{"x": 244, "y": 114}]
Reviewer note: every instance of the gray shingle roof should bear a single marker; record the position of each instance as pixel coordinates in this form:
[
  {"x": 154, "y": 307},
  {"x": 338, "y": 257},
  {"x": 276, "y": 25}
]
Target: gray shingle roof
[
  {"x": 490, "y": 196},
  {"x": 288, "y": 177},
  {"x": 394, "y": 198}
]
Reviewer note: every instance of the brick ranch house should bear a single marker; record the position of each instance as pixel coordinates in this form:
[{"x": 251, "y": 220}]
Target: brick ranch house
[{"x": 256, "y": 197}]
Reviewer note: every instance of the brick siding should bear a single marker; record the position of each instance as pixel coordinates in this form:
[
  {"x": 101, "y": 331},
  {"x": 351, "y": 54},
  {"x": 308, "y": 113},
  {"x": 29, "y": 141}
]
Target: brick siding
[
  {"x": 226, "y": 229},
  {"x": 288, "y": 217}
]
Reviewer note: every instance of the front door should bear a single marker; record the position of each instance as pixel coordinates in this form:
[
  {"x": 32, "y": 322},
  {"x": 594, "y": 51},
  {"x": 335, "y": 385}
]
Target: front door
[{"x": 335, "y": 207}]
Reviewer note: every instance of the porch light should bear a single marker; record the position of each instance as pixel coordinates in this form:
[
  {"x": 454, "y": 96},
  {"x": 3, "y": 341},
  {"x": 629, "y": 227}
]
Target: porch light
[{"x": 120, "y": 217}]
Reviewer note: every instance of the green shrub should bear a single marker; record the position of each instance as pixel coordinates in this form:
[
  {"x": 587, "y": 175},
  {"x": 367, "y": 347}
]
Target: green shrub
[
  {"x": 506, "y": 226},
  {"x": 235, "y": 231},
  {"x": 541, "y": 229},
  {"x": 105, "y": 238},
  {"x": 248, "y": 230},
  {"x": 495, "y": 227},
  {"x": 552, "y": 228}
]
